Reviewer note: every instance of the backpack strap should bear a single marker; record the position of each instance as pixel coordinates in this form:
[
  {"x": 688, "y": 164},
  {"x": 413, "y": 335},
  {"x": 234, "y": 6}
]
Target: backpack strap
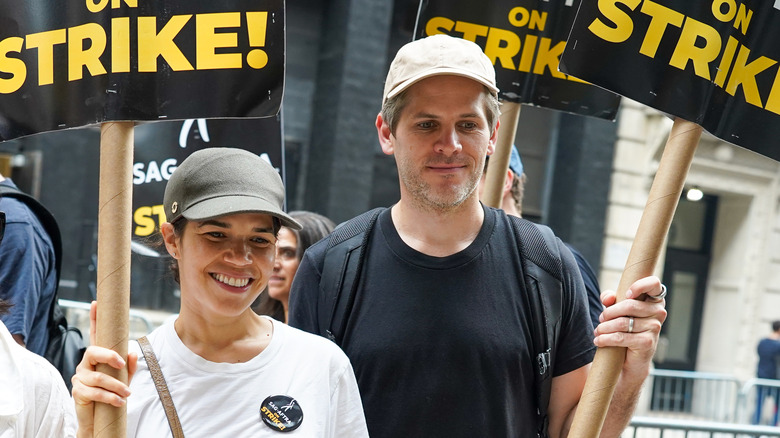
[
  {"x": 56, "y": 316},
  {"x": 341, "y": 270},
  {"x": 543, "y": 274}
]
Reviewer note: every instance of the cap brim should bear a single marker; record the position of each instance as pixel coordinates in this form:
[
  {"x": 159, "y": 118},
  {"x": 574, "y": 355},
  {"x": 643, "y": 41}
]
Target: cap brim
[
  {"x": 225, "y": 205},
  {"x": 440, "y": 72}
]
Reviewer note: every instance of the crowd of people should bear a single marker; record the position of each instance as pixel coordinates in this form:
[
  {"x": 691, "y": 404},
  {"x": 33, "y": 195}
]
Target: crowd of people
[{"x": 435, "y": 341}]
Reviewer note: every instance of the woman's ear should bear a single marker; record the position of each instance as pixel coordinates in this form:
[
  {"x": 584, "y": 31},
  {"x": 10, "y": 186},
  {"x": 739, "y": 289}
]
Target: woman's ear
[{"x": 169, "y": 237}]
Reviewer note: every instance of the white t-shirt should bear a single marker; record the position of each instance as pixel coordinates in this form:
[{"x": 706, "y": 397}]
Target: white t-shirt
[
  {"x": 224, "y": 399},
  {"x": 34, "y": 401}
]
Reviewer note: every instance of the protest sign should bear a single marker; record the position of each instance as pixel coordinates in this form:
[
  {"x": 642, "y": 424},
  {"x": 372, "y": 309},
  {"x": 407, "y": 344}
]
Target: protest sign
[
  {"x": 92, "y": 61},
  {"x": 161, "y": 146},
  {"x": 524, "y": 39},
  {"x": 714, "y": 63}
]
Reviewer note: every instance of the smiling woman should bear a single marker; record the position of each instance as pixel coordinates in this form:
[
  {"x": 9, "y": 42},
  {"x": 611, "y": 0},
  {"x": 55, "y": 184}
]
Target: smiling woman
[{"x": 224, "y": 208}]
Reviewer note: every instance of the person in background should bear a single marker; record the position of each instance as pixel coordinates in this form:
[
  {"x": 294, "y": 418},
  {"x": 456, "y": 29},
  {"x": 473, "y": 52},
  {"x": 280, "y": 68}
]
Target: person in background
[
  {"x": 229, "y": 371},
  {"x": 512, "y": 204},
  {"x": 289, "y": 251},
  {"x": 34, "y": 401},
  {"x": 768, "y": 368},
  {"x": 437, "y": 332},
  {"x": 28, "y": 274}
]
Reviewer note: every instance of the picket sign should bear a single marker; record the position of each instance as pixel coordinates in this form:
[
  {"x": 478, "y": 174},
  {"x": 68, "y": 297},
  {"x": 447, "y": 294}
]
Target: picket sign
[{"x": 645, "y": 251}]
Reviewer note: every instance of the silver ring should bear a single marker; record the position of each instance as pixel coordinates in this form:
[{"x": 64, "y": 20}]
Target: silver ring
[
  {"x": 631, "y": 324},
  {"x": 659, "y": 297}
]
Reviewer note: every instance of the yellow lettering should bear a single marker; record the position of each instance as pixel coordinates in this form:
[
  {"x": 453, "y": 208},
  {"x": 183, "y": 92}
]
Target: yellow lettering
[
  {"x": 549, "y": 57},
  {"x": 773, "y": 102},
  {"x": 143, "y": 219},
  {"x": 120, "y": 44},
  {"x": 471, "y": 31},
  {"x": 96, "y": 7},
  {"x": 744, "y": 16},
  {"x": 437, "y": 25},
  {"x": 45, "y": 42},
  {"x": 13, "y": 66},
  {"x": 529, "y": 50},
  {"x": 623, "y": 26},
  {"x": 152, "y": 45},
  {"x": 687, "y": 50},
  {"x": 725, "y": 61},
  {"x": 518, "y": 16},
  {"x": 502, "y": 45},
  {"x": 661, "y": 18},
  {"x": 744, "y": 74},
  {"x": 78, "y": 57},
  {"x": 538, "y": 20},
  {"x": 208, "y": 40},
  {"x": 728, "y": 15}
]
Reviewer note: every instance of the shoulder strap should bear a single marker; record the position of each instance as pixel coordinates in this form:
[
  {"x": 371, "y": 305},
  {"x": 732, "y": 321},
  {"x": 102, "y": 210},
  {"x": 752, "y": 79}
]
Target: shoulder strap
[
  {"x": 341, "y": 269},
  {"x": 162, "y": 387},
  {"x": 543, "y": 268},
  {"x": 53, "y": 230}
]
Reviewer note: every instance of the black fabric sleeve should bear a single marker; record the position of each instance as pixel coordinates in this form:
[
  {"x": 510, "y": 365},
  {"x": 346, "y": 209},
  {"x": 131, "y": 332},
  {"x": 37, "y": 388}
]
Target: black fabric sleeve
[
  {"x": 575, "y": 343},
  {"x": 305, "y": 290}
]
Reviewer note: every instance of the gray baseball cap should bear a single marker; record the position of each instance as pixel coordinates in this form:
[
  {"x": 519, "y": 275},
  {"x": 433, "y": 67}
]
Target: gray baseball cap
[{"x": 215, "y": 182}]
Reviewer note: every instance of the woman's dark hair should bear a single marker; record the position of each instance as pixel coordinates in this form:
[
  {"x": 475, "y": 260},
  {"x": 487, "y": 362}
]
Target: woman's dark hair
[{"x": 315, "y": 228}]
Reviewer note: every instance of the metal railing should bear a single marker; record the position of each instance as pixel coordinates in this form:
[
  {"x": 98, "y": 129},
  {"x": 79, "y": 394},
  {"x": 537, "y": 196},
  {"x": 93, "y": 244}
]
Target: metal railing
[
  {"x": 695, "y": 395},
  {"x": 652, "y": 427},
  {"x": 77, "y": 313}
]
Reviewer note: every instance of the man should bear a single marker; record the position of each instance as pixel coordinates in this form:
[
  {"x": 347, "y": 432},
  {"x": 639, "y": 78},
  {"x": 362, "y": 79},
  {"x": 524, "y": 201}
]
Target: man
[
  {"x": 512, "y": 204},
  {"x": 28, "y": 274},
  {"x": 438, "y": 334},
  {"x": 768, "y": 368}
]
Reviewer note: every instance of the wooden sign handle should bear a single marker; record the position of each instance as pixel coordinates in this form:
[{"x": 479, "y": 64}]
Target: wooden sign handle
[
  {"x": 645, "y": 251},
  {"x": 113, "y": 266},
  {"x": 499, "y": 161}
]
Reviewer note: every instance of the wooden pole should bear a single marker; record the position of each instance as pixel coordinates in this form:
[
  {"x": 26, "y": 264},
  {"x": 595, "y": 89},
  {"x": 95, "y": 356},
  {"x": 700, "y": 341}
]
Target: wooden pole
[
  {"x": 499, "y": 161},
  {"x": 645, "y": 251},
  {"x": 113, "y": 267}
]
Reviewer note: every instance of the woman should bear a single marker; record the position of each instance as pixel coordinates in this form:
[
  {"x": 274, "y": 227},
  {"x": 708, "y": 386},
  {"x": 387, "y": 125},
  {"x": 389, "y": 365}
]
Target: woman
[
  {"x": 229, "y": 371},
  {"x": 290, "y": 247}
]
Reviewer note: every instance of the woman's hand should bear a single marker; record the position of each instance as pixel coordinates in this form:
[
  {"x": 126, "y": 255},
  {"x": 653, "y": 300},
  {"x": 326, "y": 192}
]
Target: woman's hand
[{"x": 90, "y": 385}]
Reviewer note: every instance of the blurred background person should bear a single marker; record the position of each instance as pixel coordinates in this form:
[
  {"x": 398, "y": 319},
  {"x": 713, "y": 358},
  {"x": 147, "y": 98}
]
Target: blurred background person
[
  {"x": 34, "y": 400},
  {"x": 768, "y": 368},
  {"x": 28, "y": 274},
  {"x": 290, "y": 246}
]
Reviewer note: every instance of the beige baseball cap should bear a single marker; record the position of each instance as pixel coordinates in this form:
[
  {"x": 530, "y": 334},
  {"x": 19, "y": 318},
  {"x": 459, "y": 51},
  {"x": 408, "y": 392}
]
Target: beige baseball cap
[
  {"x": 215, "y": 182},
  {"x": 438, "y": 55}
]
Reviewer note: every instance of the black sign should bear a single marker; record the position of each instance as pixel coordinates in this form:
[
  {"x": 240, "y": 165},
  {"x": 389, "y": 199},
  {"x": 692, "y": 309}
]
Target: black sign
[
  {"x": 161, "y": 146},
  {"x": 74, "y": 63},
  {"x": 524, "y": 39},
  {"x": 714, "y": 63}
]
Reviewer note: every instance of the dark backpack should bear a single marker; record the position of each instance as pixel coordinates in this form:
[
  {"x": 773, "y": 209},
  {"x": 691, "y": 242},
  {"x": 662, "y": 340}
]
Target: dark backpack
[
  {"x": 66, "y": 344},
  {"x": 543, "y": 273}
]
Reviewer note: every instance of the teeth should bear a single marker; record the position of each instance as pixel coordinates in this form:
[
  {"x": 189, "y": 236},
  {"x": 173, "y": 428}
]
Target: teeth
[{"x": 231, "y": 281}]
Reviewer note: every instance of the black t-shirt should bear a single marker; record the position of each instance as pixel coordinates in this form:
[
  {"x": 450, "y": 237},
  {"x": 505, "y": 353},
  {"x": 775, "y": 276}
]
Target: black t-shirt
[{"x": 440, "y": 345}]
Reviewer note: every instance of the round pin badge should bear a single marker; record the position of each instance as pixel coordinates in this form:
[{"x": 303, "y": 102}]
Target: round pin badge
[{"x": 281, "y": 413}]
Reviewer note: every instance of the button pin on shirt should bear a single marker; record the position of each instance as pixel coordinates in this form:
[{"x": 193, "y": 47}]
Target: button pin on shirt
[{"x": 281, "y": 413}]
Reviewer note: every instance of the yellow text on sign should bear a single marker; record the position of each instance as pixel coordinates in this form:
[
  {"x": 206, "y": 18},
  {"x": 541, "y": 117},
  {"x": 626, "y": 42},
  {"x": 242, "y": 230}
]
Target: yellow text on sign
[{"x": 215, "y": 34}]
